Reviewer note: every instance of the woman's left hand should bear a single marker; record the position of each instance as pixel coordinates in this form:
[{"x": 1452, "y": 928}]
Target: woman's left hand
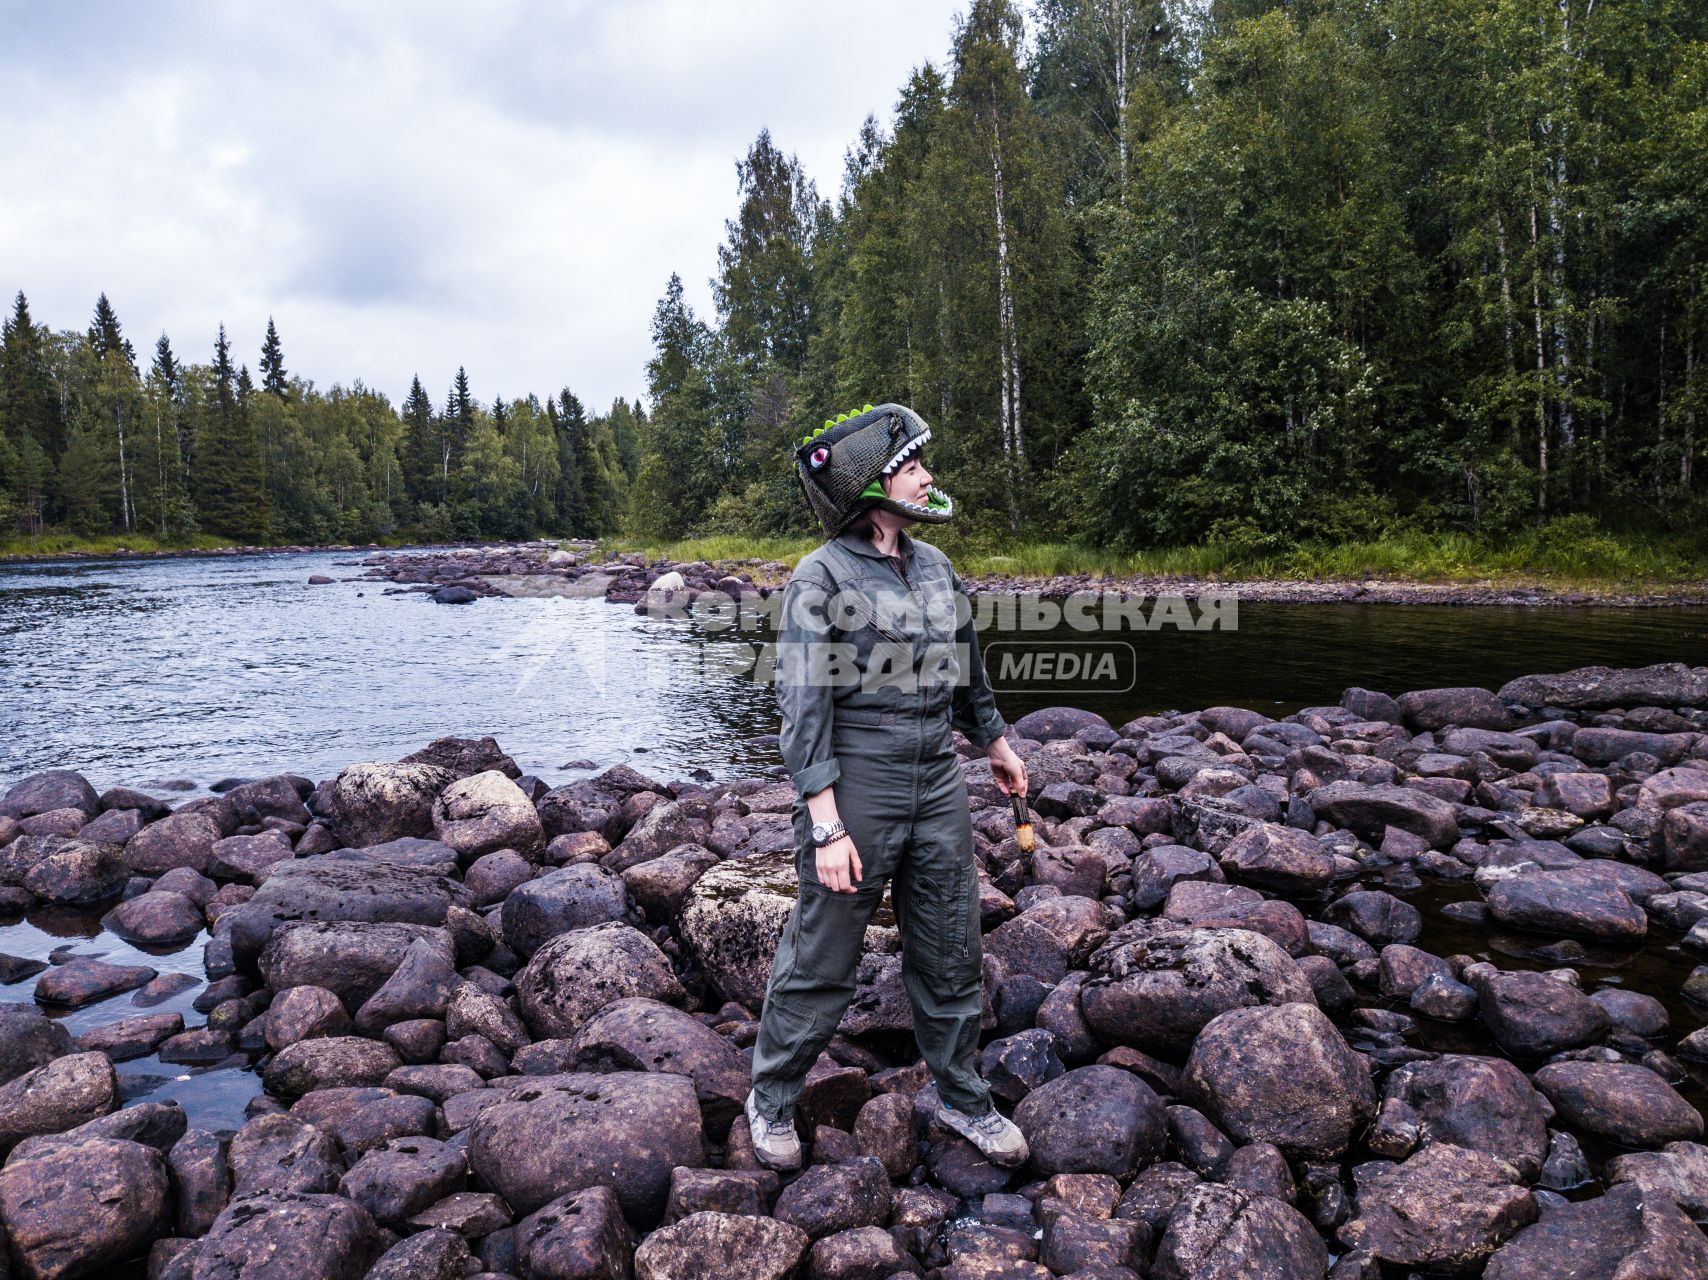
[{"x": 1007, "y": 768}]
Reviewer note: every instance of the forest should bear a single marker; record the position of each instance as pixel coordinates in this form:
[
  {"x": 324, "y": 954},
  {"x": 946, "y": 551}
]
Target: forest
[{"x": 1249, "y": 272}]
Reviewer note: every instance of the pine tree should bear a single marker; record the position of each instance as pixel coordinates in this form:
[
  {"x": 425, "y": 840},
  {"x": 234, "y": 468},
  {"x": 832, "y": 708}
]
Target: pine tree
[
  {"x": 273, "y": 364},
  {"x": 230, "y": 493},
  {"x": 30, "y": 414},
  {"x": 106, "y": 334},
  {"x": 420, "y": 453}
]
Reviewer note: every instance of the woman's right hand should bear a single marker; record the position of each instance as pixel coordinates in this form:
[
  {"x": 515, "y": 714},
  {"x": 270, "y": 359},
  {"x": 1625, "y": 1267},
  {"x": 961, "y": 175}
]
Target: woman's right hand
[{"x": 838, "y": 865}]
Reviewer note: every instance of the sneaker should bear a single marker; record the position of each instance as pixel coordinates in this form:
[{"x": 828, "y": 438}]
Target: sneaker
[
  {"x": 998, "y": 1137},
  {"x": 774, "y": 1141}
]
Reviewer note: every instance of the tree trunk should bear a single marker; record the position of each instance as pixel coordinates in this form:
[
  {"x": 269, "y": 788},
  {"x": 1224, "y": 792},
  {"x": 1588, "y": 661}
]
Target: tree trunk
[
  {"x": 1013, "y": 433},
  {"x": 1541, "y": 371}
]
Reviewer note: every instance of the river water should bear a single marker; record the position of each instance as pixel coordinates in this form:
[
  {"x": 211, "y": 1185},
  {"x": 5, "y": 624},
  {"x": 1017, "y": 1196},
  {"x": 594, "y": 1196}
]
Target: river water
[{"x": 143, "y": 672}]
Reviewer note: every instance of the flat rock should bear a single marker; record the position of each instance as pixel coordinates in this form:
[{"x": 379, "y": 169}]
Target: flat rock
[
  {"x": 1620, "y": 1102},
  {"x": 1575, "y": 901},
  {"x": 729, "y": 1245},
  {"x": 1624, "y": 1233},
  {"x": 1445, "y": 1207}
]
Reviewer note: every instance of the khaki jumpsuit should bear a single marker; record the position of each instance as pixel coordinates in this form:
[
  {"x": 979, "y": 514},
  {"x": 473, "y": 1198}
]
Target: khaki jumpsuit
[{"x": 868, "y": 706}]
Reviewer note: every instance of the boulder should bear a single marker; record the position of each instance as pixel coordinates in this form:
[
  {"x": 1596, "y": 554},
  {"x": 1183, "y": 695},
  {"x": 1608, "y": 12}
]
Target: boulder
[
  {"x": 299, "y": 1013},
  {"x": 463, "y": 757},
  {"x": 1445, "y": 1207},
  {"x": 828, "y": 1198},
  {"x": 1369, "y": 810},
  {"x": 420, "y": 987},
  {"x": 731, "y": 1246},
  {"x": 82, "y": 981},
  {"x": 158, "y": 918},
  {"x": 83, "y": 1208},
  {"x": 437, "y": 1253},
  {"x": 563, "y": 1133},
  {"x": 330, "y": 888},
  {"x": 1577, "y": 901},
  {"x": 1534, "y": 1015},
  {"x": 1215, "y": 1232},
  {"x": 396, "y": 1179},
  {"x": 1465, "y": 707},
  {"x": 68, "y": 869},
  {"x": 1158, "y": 992},
  {"x": 351, "y": 958},
  {"x": 573, "y": 897},
  {"x": 282, "y": 1153},
  {"x": 660, "y": 886},
  {"x": 1283, "y": 859},
  {"x": 1620, "y": 1102},
  {"x": 329, "y": 1062},
  {"x": 1678, "y": 1171},
  {"x": 1682, "y": 842},
  {"x": 1095, "y": 1119},
  {"x": 576, "y": 974},
  {"x": 486, "y": 812},
  {"x": 1282, "y": 1075},
  {"x": 1624, "y": 1233},
  {"x": 57, "y": 1096},
  {"x": 733, "y": 918},
  {"x": 581, "y": 1235},
  {"x": 1481, "y": 1104},
  {"x": 644, "y": 1035},
  {"x": 1666, "y": 684},
  {"x": 374, "y": 802},
  {"x": 288, "y": 1235},
  {"x": 182, "y": 839},
  {"x": 1052, "y": 724}
]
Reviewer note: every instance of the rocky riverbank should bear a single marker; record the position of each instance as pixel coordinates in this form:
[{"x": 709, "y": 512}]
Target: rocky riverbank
[
  {"x": 500, "y": 1027},
  {"x": 578, "y": 570}
]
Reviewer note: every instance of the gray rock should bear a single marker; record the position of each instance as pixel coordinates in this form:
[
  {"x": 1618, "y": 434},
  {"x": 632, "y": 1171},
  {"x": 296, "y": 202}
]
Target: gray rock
[
  {"x": 301, "y": 1013},
  {"x": 435, "y": 1254},
  {"x": 1624, "y": 1233},
  {"x": 157, "y": 918},
  {"x": 1666, "y": 684},
  {"x": 182, "y": 839},
  {"x": 828, "y": 1198},
  {"x": 582, "y": 1234},
  {"x": 371, "y": 803},
  {"x": 289, "y": 1235},
  {"x": 350, "y": 958},
  {"x": 401, "y": 1177},
  {"x": 282, "y": 1153},
  {"x": 83, "y": 1208},
  {"x": 1465, "y": 707},
  {"x": 1678, "y": 1171},
  {"x": 706, "y": 1244},
  {"x": 1282, "y": 859},
  {"x": 573, "y": 897},
  {"x": 1576, "y": 901},
  {"x": 420, "y": 987},
  {"x": 1369, "y": 810},
  {"x": 484, "y": 812},
  {"x": 1445, "y": 1207},
  {"x": 1534, "y": 1015},
  {"x": 638, "y": 1034},
  {"x": 1215, "y": 1232},
  {"x": 329, "y": 1062},
  {"x": 1620, "y": 1102}
]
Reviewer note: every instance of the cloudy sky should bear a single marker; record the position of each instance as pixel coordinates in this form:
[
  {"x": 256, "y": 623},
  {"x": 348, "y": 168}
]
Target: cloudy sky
[{"x": 410, "y": 186}]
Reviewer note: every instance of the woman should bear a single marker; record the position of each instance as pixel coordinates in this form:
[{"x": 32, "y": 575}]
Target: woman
[{"x": 874, "y": 667}]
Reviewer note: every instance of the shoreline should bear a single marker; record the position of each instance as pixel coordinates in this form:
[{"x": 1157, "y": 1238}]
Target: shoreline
[{"x": 1481, "y": 592}]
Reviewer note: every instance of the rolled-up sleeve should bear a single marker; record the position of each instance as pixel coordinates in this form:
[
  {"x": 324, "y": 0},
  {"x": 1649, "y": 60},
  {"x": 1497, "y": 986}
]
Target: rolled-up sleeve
[
  {"x": 972, "y": 708},
  {"x": 804, "y": 697}
]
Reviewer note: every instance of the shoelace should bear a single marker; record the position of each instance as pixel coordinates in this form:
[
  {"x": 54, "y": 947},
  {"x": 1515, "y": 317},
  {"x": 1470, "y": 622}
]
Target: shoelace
[
  {"x": 775, "y": 1128},
  {"x": 991, "y": 1125}
]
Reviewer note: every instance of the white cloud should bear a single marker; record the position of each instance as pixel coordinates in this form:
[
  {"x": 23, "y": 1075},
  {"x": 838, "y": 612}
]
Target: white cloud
[{"x": 407, "y": 187}]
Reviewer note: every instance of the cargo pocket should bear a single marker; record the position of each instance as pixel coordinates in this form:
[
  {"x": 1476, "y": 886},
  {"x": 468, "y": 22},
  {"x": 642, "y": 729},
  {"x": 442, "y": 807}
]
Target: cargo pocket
[{"x": 788, "y": 1048}]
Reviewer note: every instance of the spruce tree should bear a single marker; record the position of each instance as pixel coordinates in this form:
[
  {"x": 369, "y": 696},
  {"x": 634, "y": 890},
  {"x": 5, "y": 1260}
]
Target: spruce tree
[
  {"x": 30, "y": 411},
  {"x": 107, "y": 336},
  {"x": 273, "y": 364},
  {"x": 230, "y": 494},
  {"x": 420, "y": 455}
]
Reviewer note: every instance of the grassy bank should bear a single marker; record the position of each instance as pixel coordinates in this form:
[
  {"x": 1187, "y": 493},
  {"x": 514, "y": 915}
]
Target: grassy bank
[
  {"x": 116, "y": 544},
  {"x": 1573, "y": 558}
]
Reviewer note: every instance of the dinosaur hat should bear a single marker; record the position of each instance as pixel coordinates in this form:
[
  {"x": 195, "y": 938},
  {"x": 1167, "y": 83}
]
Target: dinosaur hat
[{"x": 843, "y": 463}]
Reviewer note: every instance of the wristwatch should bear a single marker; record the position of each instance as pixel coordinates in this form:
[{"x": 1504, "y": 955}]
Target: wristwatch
[{"x": 824, "y": 832}]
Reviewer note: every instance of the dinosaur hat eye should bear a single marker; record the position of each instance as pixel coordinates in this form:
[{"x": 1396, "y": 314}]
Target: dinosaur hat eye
[{"x": 818, "y": 457}]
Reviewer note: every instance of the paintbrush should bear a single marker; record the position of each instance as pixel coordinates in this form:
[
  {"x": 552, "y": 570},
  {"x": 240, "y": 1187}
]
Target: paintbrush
[{"x": 1022, "y": 821}]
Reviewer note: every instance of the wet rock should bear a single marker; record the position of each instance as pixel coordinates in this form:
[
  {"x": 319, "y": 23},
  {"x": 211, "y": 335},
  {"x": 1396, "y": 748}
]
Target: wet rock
[
  {"x": 1095, "y": 1119},
  {"x": 81, "y": 1208},
  {"x": 301, "y": 1013},
  {"x": 573, "y": 897},
  {"x": 828, "y": 1198},
  {"x": 1279, "y": 858},
  {"x": 1445, "y": 1207},
  {"x": 1282, "y": 1075},
  {"x": 1620, "y": 1102},
  {"x": 282, "y": 1153},
  {"x": 331, "y": 889},
  {"x": 1369, "y": 810},
  {"x": 733, "y": 1246},
  {"x": 289, "y": 1235},
  {"x": 131, "y": 1037},
  {"x": 1679, "y": 1171},
  {"x": 1632, "y": 1011},
  {"x": 581, "y": 1235},
  {"x": 351, "y": 958},
  {"x": 434, "y": 1254},
  {"x": 576, "y": 974},
  {"x": 486, "y": 812},
  {"x": 1465, "y": 707},
  {"x": 1533, "y": 1014},
  {"x": 182, "y": 839},
  {"x": 1481, "y": 1104},
  {"x": 733, "y": 918},
  {"x": 1217, "y": 1231},
  {"x": 372, "y": 803},
  {"x": 49, "y": 790},
  {"x": 82, "y": 981},
  {"x": 1158, "y": 992},
  {"x": 28, "y": 1040},
  {"x": 1445, "y": 999},
  {"x": 1376, "y": 916},
  {"x": 1623, "y": 1233},
  {"x": 399, "y": 1178},
  {"x": 638, "y": 1034},
  {"x": 329, "y": 1062},
  {"x": 560, "y": 1134},
  {"x": 420, "y": 987},
  {"x": 1574, "y": 901},
  {"x": 1666, "y": 684},
  {"x": 155, "y": 918}
]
